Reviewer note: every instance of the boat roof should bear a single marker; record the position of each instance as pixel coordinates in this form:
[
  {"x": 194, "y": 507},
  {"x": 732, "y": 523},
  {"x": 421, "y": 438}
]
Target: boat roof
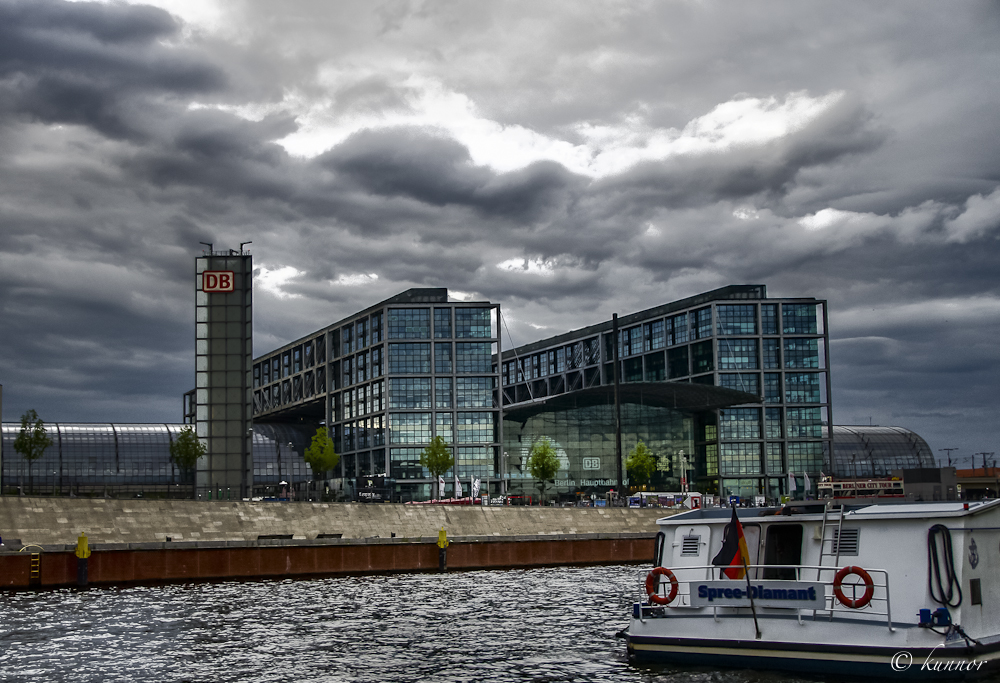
[{"x": 814, "y": 510}]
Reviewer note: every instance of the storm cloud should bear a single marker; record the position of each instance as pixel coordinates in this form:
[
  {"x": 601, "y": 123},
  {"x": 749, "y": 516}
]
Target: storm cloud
[{"x": 568, "y": 161}]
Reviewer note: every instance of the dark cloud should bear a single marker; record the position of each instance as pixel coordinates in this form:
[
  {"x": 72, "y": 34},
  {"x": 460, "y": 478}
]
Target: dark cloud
[{"x": 128, "y": 136}]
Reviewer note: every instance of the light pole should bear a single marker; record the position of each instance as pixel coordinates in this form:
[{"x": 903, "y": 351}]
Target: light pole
[{"x": 948, "y": 451}]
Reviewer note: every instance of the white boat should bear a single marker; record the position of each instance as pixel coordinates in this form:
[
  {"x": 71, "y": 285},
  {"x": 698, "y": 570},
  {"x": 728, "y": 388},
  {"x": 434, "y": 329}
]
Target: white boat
[{"x": 901, "y": 591}]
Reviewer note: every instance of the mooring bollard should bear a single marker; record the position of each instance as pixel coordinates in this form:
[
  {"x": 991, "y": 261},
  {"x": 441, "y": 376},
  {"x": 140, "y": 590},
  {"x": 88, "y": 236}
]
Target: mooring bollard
[
  {"x": 82, "y": 553},
  {"x": 442, "y": 550}
]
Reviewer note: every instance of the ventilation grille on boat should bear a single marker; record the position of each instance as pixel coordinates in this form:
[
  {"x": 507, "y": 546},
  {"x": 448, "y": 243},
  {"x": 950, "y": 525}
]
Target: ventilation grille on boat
[
  {"x": 847, "y": 540},
  {"x": 691, "y": 545}
]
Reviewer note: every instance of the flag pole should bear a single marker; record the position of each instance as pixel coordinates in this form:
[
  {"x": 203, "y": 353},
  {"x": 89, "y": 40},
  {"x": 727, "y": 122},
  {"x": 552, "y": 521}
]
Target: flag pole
[{"x": 753, "y": 608}]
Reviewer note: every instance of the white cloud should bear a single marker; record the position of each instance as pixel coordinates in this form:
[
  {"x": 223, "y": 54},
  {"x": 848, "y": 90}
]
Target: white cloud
[
  {"x": 273, "y": 280},
  {"x": 831, "y": 217},
  {"x": 981, "y": 214},
  {"x": 355, "y": 280},
  {"x": 530, "y": 266}
]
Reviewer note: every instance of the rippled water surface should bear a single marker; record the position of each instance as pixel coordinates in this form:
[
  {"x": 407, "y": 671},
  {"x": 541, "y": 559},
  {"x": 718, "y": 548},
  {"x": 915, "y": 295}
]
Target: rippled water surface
[{"x": 527, "y": 625}]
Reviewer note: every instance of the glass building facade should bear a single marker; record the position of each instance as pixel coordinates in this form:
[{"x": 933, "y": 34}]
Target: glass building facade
[
  {"x": 128, "y": 460},
  {"x": 390, "y": 378},
  {"x": 863, "y": 452},
  {"x": 735, "y": 338}
]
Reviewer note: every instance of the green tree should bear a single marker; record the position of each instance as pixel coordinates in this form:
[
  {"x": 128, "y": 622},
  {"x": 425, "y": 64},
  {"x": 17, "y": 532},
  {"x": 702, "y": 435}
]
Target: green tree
[
  {"x": 32, "y": 442},
  {"x": 320, "y": 454},
  {"x": 437, "y": 459},
  {"x": 185, "y": 451},
  {"x": 640, "y": 464},
  {"x": 543, "y": 463}
]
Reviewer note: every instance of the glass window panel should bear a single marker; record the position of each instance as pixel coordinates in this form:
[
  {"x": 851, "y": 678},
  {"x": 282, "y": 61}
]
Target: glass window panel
[
  {"x": 443, "y": 392},
  {"x": 475, "y": 427},
  {"x": 701, "y": 357},
  {"x": 737, "y": 459},
  {"x": 473, "y": 357},
  {"x": 442, "y": 358},
  {"x": 740, "y": 423},
  {"x": 736, "y": 319},
  {"x": 772, "y": 387},
  {"x": 677, "y": 362},
  {"x": 406, "y": 428},
  {"x": 804, "y": 423},
  {"x": 738, "y": 354},
  {"x": 410, "y": 392},
  {"x": 443, "y": 427},
  {"x": 474, "y": 392},
  {"x": 412, "y": 358},
  {"x": 801, "y": 353},
  {"x": 802, "y": 387},
  {"x": 769, "y": 318},
  {"x": 798, "y": 318},
  {"x": 772, "y": 354},
  {"x": 409, "y": 323},
  {"x": 741, "y": 381},
  {"x": 442, "y": 323},
  {"x": 472, "y": 323},
  {"x": 772, "y": 417}
]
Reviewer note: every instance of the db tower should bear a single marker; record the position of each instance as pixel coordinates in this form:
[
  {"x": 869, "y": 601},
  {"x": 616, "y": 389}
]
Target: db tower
[{"x": 223, "y": 361}]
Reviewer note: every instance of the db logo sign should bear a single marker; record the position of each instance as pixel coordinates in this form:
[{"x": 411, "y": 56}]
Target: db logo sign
[{"x": 217, "y": 281}]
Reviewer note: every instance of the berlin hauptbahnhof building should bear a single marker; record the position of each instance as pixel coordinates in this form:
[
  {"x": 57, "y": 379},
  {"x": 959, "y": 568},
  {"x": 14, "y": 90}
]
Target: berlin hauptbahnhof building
[{"x": 729, "y": 389}]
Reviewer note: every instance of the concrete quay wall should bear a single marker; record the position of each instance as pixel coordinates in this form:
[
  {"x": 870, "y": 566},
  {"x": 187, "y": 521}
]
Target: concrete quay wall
[
  {"x": 123, "y": 564},
  {"x": 59, "y": 521}
]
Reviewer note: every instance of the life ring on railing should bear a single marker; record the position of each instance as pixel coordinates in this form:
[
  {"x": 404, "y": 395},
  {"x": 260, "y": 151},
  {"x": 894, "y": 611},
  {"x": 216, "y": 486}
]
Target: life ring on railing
[
  {"x": 653, "y": 583},
  {"x": 838, "y": 581}
]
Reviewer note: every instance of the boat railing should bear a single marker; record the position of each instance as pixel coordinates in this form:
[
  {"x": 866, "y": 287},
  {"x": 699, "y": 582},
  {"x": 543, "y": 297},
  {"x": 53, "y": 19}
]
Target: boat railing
[{"x": 877, "y": 608}]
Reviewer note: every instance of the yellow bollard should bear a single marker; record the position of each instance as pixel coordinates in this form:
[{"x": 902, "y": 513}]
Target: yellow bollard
[
  {"x": 442, "y": 550},
  {"x": 82, "y": 553}
]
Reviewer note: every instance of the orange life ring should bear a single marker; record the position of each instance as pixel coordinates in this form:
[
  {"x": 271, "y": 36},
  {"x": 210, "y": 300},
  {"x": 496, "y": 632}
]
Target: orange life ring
[
  {"x": 652, "y": 584},
  {"x": 838, "y": 580}
]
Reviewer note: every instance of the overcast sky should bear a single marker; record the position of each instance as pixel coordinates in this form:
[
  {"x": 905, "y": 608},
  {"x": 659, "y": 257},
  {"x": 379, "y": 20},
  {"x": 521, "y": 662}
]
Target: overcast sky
[{"x": 565, "y": 159}]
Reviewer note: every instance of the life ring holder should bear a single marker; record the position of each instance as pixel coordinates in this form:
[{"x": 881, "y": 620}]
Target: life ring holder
[
  {"x": 838, "y": 581},
  {"x": 652, "y": 583}
]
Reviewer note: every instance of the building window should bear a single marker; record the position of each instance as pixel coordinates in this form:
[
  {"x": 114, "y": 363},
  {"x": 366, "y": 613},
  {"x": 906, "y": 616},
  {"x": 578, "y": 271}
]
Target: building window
[
  {"x": 410, "y": 358},
  {"x": 473, "y": 323},
  {"x": 772, "y": 423},
  {"x": 361, "y": 334},
  {"x": 774, "y": 465},
  {"x": 405, "y": 428},
  {"x": 592, "y": 351},
  {"x": 804, "y": 423},
  {"x": 769, "y": 318},
  {"x": 443, "y": 427},
  {"x": 701, "y": 323},
  {"x": 376, "y": 328},
  {"x": 738, "y": 354},
  {"x": 473, "y": 357},
  {"x": 474, "y": 461},
  {"x": 656, "y": 335},
  {"x": 772, "y": 387},
  {"x": 404, "y": 463},
  {"x": 738, "y": 459},
  {"x": 802, "y": 387},
  {"x": 701, "y": 358},
  {"x": 409, "y": 323},
  {"x": 346, "y": 334},
  {"x": 410, "y": 392},
  {"x": 443, "y": 392},
  {"x": 475, "y": 427},
  {"x": 805, "y": 456},
  {"x": 442, "y": 323},
  {"x": 741, "y": 381},
  {"x": 677, "y": 362},
  {"x": 772, "y": 354},
  {"x": 801, "y": 353},
  {"x": 798, "y": 318},
  {"x": 740, "y": 423},
  {"x": 736, "y": 319},
  {"x": 474, "y": 392},
  {"x": 656, "y": 367},
  {"x": 442, "y": 358},
  {"x": 677, "y": 329}
]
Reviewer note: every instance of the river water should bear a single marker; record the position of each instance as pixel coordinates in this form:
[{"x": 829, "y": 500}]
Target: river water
[{"x": 542, "y": 625}]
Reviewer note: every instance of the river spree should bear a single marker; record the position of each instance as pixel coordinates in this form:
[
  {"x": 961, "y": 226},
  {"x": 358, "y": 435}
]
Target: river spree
[{"x": 544, "y": 625}]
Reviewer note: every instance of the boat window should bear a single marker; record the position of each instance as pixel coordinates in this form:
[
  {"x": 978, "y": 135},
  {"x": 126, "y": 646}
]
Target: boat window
[
  {"x": 846, "y": 541},
  {"x": 783, "y": 546}
]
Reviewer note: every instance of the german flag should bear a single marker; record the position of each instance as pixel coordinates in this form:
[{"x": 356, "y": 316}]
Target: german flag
[{"x": 734, "y": 555}]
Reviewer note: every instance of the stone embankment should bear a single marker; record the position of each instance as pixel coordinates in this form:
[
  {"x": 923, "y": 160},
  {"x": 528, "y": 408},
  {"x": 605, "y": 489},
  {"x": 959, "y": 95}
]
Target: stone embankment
[{"x": 156, "y": 540}]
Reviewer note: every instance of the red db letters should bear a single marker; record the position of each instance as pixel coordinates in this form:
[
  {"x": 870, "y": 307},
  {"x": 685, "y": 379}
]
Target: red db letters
[{"x": 217, "y": 281}]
